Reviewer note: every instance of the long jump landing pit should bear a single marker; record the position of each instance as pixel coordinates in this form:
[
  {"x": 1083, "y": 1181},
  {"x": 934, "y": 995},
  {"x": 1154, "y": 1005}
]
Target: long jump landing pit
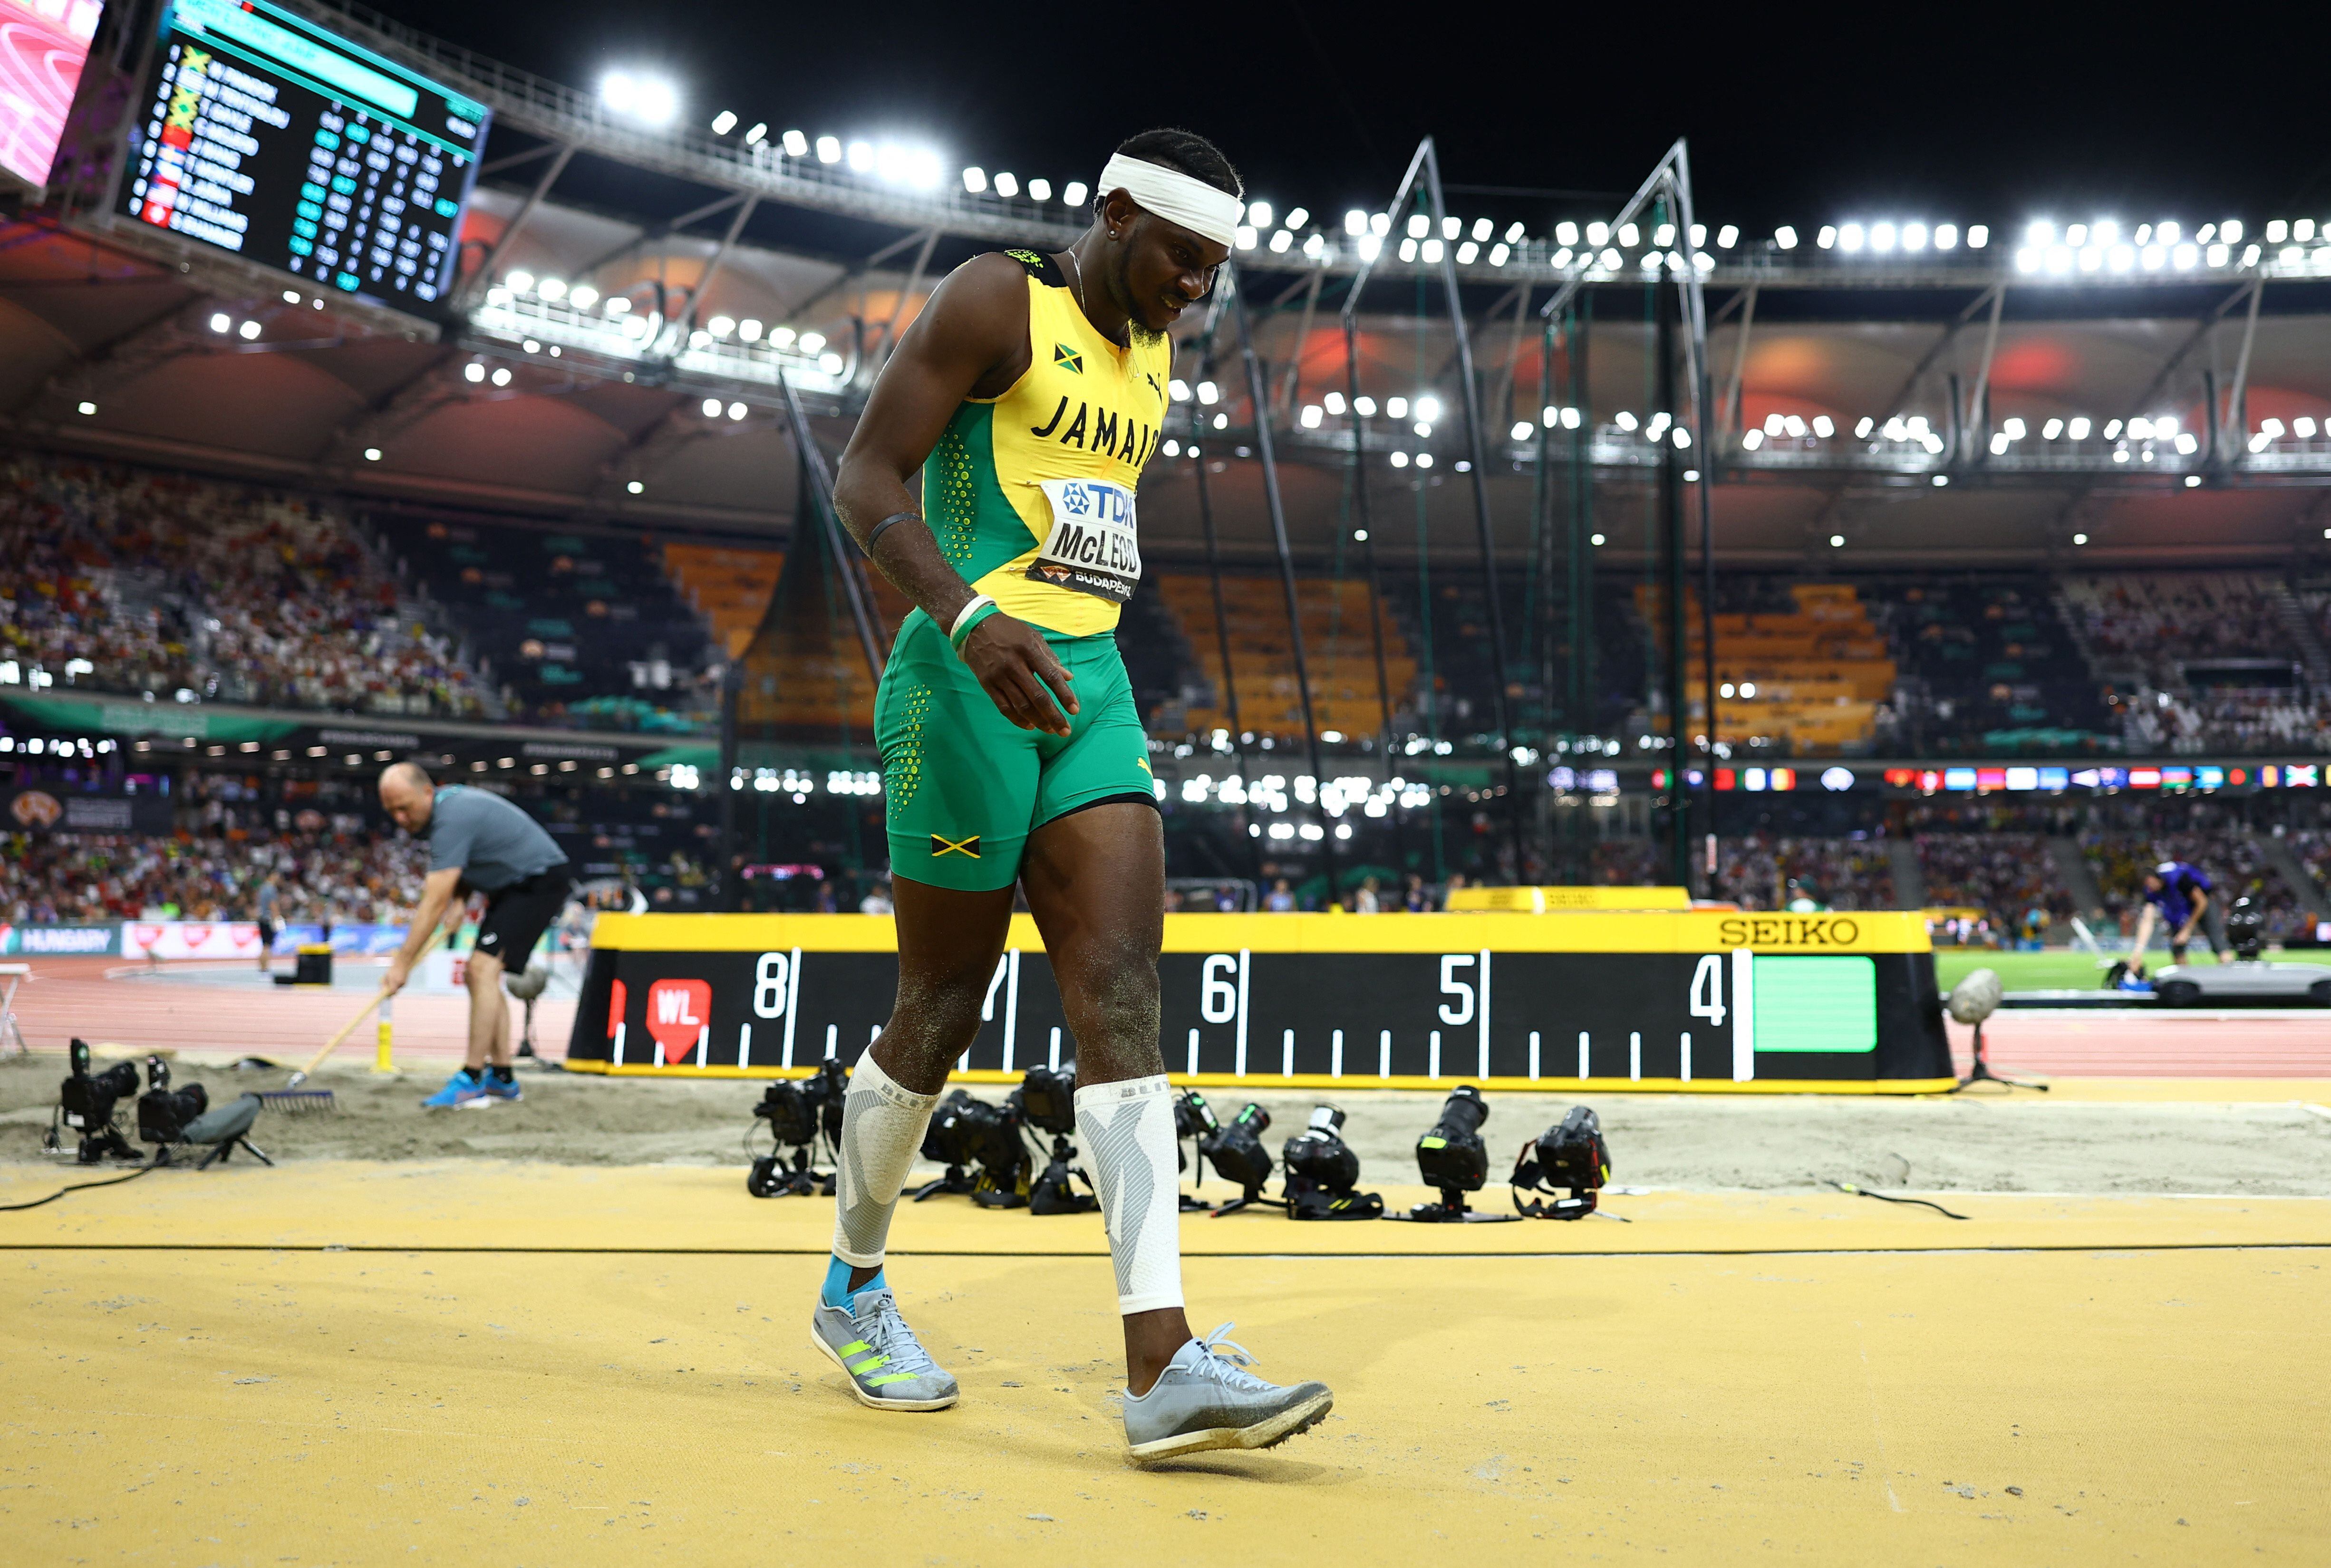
[{"x": 513, "y": 1364}]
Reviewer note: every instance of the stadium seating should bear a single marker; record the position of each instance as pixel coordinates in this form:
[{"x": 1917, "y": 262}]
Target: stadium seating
[
  {"x": 1338, "y": 647},
  {"x": 129, "y": 580},
  {"x": 1806, "y": 668},
  {"x": 1756, "y": 872},
  {"x": 1987, "y": 666},
  {"x": 578, "y": 628},
  {"x": 2005, "y": 875}
]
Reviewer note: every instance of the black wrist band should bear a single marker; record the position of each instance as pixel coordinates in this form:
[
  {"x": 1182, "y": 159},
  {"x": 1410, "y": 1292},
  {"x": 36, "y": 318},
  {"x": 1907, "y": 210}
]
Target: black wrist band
[{"x": 895, "y": 518}]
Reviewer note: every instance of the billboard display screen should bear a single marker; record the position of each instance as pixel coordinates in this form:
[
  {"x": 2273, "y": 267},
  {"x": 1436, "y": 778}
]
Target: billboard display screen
[
  {"x": 43, "y": 45},
  {"x": 268, "y": 135}
]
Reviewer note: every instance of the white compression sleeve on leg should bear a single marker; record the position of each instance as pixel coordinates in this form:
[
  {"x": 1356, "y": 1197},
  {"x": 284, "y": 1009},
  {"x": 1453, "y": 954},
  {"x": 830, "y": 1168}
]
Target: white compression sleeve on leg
[
  {"x": 881, "y": 1132},
  {"x": 1127, "y": 1129}
]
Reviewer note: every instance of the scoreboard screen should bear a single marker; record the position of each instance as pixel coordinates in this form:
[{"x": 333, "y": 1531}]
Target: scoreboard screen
[{"x": 268, "y": 135}]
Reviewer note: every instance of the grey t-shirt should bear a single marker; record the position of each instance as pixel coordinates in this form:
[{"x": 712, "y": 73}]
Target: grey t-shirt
[{"x": 492, "y": 841}]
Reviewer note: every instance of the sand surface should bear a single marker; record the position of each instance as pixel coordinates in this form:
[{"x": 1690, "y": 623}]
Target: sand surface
[{"x": 1762, "y": 1144}]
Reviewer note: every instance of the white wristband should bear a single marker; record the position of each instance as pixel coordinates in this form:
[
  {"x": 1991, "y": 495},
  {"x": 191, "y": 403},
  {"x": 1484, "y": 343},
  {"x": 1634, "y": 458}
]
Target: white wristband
[{"x": 966, "y": 613}]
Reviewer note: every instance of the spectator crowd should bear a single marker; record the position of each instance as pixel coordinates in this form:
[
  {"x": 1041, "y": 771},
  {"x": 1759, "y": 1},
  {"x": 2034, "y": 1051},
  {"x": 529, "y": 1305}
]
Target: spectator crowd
[{"x": 123, "y": 580}]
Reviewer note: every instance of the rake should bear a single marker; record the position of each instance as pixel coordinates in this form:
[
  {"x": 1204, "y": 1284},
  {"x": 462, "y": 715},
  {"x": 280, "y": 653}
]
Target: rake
[{"x": 293, "y": 1101}]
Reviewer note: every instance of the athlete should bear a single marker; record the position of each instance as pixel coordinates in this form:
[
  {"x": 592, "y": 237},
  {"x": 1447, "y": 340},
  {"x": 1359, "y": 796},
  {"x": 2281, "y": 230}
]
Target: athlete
[
  {"x": 2181, "y": 898},
  {"x": 1029, "y": 392}
]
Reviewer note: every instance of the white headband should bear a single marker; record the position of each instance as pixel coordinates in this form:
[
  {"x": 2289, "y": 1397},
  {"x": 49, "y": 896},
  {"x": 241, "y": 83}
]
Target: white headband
[{"x": 1197, "y": 206}]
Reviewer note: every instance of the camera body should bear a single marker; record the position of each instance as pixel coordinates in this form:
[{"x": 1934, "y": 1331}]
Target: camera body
[
  {"x": 86, "y": 1102},
  {"x": 1318, "y": 1156},
  {"x": 1047, "y": 1098},
  {"x": 1234, "y": 1149},
  {"x": 1570, "y": 1161},
  {"x": 1451, "y": 1157},
  {"x": 799, "y": 1111},
  {"x": 980, "y": 1145}
]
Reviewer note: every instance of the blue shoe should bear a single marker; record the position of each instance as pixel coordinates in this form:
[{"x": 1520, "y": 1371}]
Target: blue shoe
[
  {"x": 464, "y": 1088},
  {"x": 505, "y": 1090}
]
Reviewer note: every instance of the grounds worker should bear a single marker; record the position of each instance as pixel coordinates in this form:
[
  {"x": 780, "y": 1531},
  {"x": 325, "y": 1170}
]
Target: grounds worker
[
  {"x": 479, "y": 842},
  {"x": 2181, "y": 898}
]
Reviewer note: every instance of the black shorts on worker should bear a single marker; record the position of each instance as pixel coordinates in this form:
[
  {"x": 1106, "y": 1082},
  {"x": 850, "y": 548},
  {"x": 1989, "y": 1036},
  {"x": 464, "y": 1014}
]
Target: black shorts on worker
[{"x": 517, "y": 916}]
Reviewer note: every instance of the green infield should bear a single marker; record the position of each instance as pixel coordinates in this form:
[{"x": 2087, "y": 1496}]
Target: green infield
[{"x": 2047, "y": 971}]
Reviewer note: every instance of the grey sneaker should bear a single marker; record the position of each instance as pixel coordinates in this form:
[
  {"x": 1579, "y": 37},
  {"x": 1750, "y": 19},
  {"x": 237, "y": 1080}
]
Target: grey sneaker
[
  {"x": 889, "y": 1368},
  {"x": 1202, "y": 1401}
]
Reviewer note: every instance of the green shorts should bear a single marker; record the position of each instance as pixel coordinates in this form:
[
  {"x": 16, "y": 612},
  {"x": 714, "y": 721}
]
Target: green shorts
[{"x": 963, "y": 786}]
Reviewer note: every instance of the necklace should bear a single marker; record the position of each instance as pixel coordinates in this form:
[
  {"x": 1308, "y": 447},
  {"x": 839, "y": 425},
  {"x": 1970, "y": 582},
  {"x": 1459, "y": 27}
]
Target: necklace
[{"x": 1079, "y": 268}]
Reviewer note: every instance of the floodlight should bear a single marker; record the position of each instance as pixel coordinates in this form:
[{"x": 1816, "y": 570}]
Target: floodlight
[
  {"x": 1837, "y": 541},
  {"x": 1297, "y": 218},
  {"x": 1827, "y": 238},
  {"x": 1040, "y": 190},
  {"x": 860, "y": 155},
  {"x": 1333, "y": 402},
  {"x": 1861, "y": 430},
  {"x": 829, "y": 149},
  {"x": 2080, "y": 538},
  {"x": 372, "y": 454},
  {"x": 1315, "y": 247},
  {"x": 552, "y": 288},
  {"x": 1882, "y": 236},
  {"x": 2112, "y": 431},
  {"x": 1978, "y": 236},
  {"x": 1824, "y": 426},
  {"x": 1452, "y": 227},
  {"x": 1914, "y": 236},
  {"x": 501, "y": 376},
  {"x": 2079, "y": 428},
  {"x": 1419, "y": 226},
  {"x": 1209, "y": 393},
  {"x": 1522, "y": 429},
  {"x": 618, "y": 305},
  {"x": 1999, "y": 443},
  {"x": 1259, "y": 213},
  {"x": 1849, "y": 238},
  {"x": 2015, "y": 429},
  {"x": 2303, "y": 228},
  {"x": 635, "y": 488},
  {"x": 1366, "y": 407},
  {"x": 759, "y": 134},
  {"x": 1499, "y": 254},
  {"x": 1380, "y": 224},
  {"x": 1514, "y": 233},
  {"x": 724, "y": 122},
  {"x": 1428, "y": 408},
  {"x": 2277, "y": 231},
  {"x": 649, "y": 100},
  {"x": 1785, "y": 237},
  {"x": 1311, "y": 415},
  {"x": 1400, "y": 459},
  {"x": 748, "y": 330},
  {"x": 88, "y": 408},
  {"x": 1727, "y": 236},
  {"x": 1775, "y": 424},
  {"x": 919, "y": 169},
  {"x": 222, "y": 322},
  {"x": 473, "y": 371},
  {"x": 1396, "y": 408},
  {"x": 811, "y": 342},
  {"x": 1750, "y": 440},
  {"x": 721, "y": 325},
  {"x": 1947, "y": 236},
  {"x": 1356, "y": 223},
  {"x": 1483, "y": 228},
  {"x": 737, "y": 411},
  {"x": 1074, "y": 194},
  {"x": 1663, "y": 234},
  {"x": 1280, "y": 241},
  {"x": 2165, "y": 426},
  {"x": 2303, "y": 427},
  {"x": 796, "y": 144},
  {"x": 2052, "y": 430},
  {"x": 1007, "y": 183},
  {"x": 1432, "y": 252},
  {"x": 1179, "y": 390},
  {"x": 779, "y": 337},
  {"x": 1624, "y": 420},
  {"x": 1598, "y": 234},
  {"x": 1566, "y": 234}
]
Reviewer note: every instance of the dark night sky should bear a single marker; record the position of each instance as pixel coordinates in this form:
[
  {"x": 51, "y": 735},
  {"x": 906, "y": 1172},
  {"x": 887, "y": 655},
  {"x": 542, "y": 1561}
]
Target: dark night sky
[{"x": 1980, "y": 114}]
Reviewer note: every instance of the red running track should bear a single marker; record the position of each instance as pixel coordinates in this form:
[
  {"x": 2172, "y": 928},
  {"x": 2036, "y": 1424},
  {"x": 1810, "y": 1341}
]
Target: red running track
[
  {"x": 70, "y": 996},
  {"x": 74, "y": 997}
]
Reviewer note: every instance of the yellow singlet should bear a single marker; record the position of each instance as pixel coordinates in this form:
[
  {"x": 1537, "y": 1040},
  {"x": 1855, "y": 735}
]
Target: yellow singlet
[{"x": 1030, "y": 495}]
